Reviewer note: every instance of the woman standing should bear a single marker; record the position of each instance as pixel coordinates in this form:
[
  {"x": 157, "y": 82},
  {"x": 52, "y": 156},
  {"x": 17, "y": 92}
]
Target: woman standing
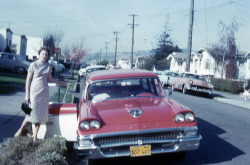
[{"x": 37, "y": 91}]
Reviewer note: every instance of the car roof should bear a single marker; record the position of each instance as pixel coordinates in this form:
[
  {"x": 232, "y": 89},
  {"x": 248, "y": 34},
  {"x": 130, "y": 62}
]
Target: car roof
[
  {"x": 119, "y": 73},
  {"x": 95, "y": 66}
]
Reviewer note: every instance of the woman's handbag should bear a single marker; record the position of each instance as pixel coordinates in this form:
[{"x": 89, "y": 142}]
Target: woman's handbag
[{"x": 26, "y": 108}]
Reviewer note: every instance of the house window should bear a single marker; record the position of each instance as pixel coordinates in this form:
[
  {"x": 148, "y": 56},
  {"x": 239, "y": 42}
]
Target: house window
[{"x": 207, "y": 64}]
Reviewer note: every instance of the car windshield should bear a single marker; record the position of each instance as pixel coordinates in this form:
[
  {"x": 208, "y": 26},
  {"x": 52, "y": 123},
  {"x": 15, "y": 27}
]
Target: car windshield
[
  {"x": 123, "y": 88},
  {"x": 199, "y": 77},
  {"x": 94, "y": 69},
  {"x": 173, "y": 74}
]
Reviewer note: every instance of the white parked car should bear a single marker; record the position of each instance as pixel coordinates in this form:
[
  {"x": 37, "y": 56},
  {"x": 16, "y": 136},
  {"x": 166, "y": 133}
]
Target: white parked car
[
  {"x": 13, "y": 61},
  {"x": 165, "y": 77},
  {"x": 82, "y": 72},
  {"x": 92, "y": 68},
  {"x": 57, "y": 67}
]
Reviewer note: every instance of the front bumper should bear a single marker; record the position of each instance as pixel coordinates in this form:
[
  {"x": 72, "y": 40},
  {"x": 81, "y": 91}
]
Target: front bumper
[
  {"x": 118, "y": 144},
  {"x": 200, "y": 89}
]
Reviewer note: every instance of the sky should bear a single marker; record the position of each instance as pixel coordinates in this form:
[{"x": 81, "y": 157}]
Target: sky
[{"x": 95, "y": 21}]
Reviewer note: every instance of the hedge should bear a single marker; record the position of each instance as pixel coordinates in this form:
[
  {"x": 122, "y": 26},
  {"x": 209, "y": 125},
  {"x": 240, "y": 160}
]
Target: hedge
[{"x": 227, "y": 85}]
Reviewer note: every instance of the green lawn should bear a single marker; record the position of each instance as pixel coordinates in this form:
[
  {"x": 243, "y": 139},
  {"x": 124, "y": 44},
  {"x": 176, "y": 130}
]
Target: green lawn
[
  {"x": 5, "y": 79},
  {"x": 10, "y": 84}
]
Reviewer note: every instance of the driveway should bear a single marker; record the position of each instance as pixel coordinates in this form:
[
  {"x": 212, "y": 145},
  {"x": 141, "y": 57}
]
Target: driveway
[{"x": 11, "y": 115}]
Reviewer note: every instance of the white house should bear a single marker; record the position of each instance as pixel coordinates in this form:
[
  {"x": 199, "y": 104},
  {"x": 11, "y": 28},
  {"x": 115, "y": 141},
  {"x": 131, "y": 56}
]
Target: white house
[
  {"x": 19, "y": 45},
  {"x": 177, "y": 61},
  {"x": 247, "y": 56},
  {"x": 124, "y": 64},
  {"x": 33, "y": 45},
  {"x": 204, "y": 63},
  {"x": 5, "y": 39}
]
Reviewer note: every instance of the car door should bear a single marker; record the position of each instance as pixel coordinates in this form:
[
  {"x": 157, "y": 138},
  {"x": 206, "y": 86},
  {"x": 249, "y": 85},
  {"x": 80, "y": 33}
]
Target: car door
[
  {"x": 10, "y": 61},
  {"x": 179, "y": 81},
  {"x": 2, "y": 61}
]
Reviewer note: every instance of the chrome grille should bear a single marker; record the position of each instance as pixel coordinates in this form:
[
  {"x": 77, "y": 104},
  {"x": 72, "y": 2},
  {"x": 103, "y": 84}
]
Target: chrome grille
[{"x": 136, "y": 137}]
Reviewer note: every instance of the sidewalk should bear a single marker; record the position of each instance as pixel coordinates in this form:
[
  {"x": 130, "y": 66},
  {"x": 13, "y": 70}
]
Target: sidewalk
[{"x": 234, "y": 99}]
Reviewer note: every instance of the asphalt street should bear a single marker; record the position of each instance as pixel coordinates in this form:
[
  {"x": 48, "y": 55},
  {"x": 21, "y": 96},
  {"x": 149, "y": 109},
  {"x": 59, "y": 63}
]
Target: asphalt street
[{"x": 223, "y": 126}]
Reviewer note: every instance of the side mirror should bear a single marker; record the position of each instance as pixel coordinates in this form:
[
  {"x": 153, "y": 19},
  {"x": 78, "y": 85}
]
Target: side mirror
[{"x": 167, "y": 92}]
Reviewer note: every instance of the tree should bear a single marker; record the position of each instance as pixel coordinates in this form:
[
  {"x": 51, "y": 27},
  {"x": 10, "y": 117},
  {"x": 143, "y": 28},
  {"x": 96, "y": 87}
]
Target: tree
[
  {"x": 74, "y": 54},
  {"x": 52, "y": 39},
  {"x": 165, "y": 46},
  {"x": 148, "y": 63},
  {"x": 225, "y": 49}
]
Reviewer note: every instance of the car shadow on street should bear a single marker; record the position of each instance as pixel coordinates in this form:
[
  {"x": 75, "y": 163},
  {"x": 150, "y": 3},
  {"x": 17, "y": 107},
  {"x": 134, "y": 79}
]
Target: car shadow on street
[{"x": 213, "y": 149}]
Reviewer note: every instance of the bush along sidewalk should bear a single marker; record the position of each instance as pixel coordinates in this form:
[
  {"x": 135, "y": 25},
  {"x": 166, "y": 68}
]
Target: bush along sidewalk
[
  {"x": 227, "y": 85},
  {"x": 22, "y": 150}
]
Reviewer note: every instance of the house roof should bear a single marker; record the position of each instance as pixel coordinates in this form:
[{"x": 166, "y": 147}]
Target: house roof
[
  {"x": 178, "y": 56},
  {"x": 199, "y": 55}
]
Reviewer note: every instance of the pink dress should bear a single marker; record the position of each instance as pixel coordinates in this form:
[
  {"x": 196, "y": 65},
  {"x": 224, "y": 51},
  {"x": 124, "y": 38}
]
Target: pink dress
[{"x": 39, "y": 92}]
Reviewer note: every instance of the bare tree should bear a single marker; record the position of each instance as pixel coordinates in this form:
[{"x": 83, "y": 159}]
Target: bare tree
[
  {"x": 225, "y": 48},
  {"x": 52, "y": 39}
]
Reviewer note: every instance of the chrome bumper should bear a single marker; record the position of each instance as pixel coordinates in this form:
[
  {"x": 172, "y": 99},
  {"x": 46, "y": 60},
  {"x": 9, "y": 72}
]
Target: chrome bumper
[
  {"x": 85, "y": 145},
  {"x": 209, "y": 91}
]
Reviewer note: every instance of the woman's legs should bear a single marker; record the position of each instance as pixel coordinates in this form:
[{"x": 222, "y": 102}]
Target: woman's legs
[
  {"x": 24, "y": 124},
  {"x": 35, "y": 131}
]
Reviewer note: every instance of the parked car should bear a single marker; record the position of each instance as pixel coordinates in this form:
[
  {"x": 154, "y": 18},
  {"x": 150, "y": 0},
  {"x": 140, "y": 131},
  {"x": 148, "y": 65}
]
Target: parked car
[
  {"x": 13, "y": 61},
  {"x": 124, "y": 113},
  {"x": 82, "y": 72},
  {"x": 191, "y": 82},
  {"x": 166, "y": 76},
  {"x": 90, "y": 69},
  {"x": 57, "y": 67}
]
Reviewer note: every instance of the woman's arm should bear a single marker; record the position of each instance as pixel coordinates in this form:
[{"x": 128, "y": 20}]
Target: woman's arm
[
  {"x": 50, "y": 79},
  {"x": 27, "y": 86}
]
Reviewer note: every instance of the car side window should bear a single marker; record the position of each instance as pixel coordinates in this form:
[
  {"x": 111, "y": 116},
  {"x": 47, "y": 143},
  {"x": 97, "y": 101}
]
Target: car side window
[
  {"x": 11, "y": 57},
  {"x": 144, "y": 84},
  {"x": 3, "y": 56}
]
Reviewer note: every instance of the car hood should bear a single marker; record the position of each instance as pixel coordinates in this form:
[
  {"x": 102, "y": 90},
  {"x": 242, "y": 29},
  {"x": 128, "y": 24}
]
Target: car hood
[{"x": 120, "y": 111}]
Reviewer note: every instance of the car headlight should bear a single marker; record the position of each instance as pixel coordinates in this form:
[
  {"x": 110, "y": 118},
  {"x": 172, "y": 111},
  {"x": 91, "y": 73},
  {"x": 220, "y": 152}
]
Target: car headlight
[
  {"x": 190, "y": 82},
  {"x": 179, "y": 118},
  {"x": 94, "y": 124},
  {"x": 84, "y": 125},
  {"x": 189, "y": 117}
]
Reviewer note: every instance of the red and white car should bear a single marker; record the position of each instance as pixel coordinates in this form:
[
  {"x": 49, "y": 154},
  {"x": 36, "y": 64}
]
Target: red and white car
[
  {"x": 191, "y": 82},
  {"x": 126, "y": 113}
]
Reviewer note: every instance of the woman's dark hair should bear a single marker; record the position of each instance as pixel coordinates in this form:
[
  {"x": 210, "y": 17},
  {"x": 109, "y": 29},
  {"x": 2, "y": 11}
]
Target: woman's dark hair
[{"x": 45, "y": 48}]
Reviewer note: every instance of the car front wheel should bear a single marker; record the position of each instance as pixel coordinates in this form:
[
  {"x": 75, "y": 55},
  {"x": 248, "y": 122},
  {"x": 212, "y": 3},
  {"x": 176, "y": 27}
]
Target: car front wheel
[
  {"x": 20, "y": 69},
  {"x": 172, "y": 87},
  {"x": 184, "y": 89}
]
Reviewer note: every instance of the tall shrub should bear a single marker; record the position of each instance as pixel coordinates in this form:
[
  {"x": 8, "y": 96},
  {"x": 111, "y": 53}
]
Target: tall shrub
[{"x": 227, "y": 85}]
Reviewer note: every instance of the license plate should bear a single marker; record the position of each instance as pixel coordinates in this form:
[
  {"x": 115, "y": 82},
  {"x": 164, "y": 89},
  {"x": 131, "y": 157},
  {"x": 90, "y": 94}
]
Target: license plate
[
  {"x": 200, "y": 90},
  {"x": 140, "y": 150}
]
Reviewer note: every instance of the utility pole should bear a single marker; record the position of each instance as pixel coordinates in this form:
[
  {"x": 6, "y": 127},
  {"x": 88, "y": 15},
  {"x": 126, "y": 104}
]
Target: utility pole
[
  {"x": 116, "y": 39},
  {"x": 133, "y": 28},
  {"x": 189, "y": 48},
  {"x": 100, "y": 57},
  {"x": 106, "y": 50}
]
